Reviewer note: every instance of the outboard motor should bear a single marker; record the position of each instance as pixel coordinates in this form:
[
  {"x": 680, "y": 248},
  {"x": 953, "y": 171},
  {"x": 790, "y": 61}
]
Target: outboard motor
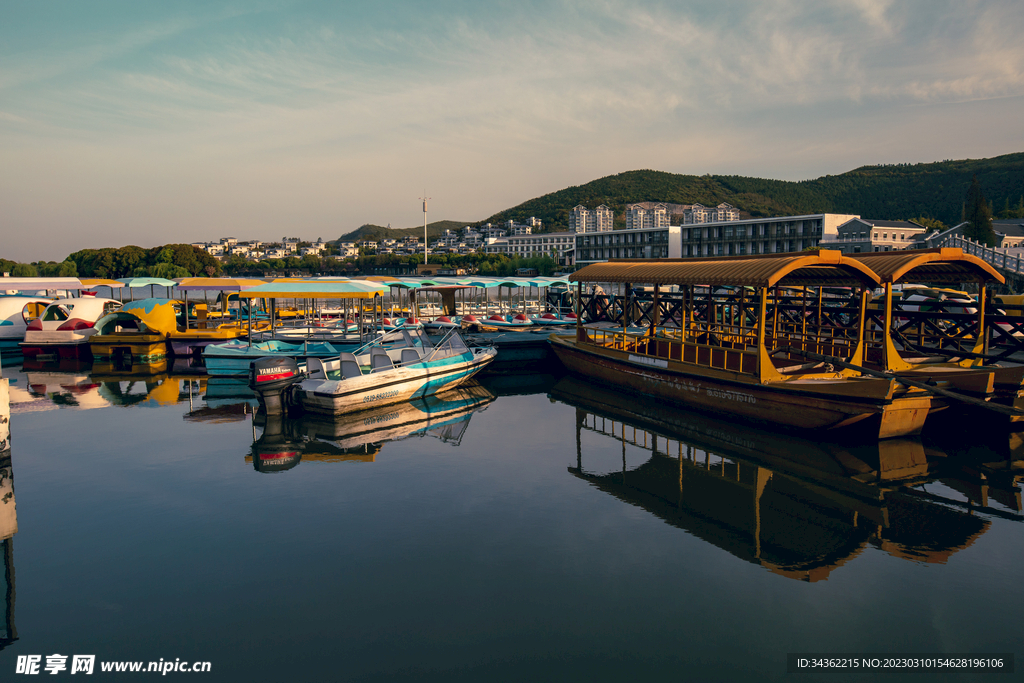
[
  {"x": 271, "y": 379},
  {"x": 275, "y": 451}
]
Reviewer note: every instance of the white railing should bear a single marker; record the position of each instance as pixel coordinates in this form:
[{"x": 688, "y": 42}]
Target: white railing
[{"x": 1000, "y": 258}]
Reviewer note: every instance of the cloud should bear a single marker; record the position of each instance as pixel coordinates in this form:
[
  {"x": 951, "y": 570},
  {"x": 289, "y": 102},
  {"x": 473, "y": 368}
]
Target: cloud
[{"x": 286, "y": 116}]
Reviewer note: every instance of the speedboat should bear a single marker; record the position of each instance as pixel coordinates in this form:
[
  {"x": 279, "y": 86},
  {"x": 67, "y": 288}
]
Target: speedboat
[
  {"x": 358, "y": 381},
  {"x": 16, "y": 312},
  {"x": 66, "y": 327},
  {"x": 233, "y": 358}
]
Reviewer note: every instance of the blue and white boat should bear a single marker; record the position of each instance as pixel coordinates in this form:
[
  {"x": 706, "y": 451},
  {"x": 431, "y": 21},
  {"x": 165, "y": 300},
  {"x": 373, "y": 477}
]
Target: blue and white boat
[
  {"x": 377, "y": 376},
  {"x": 233, "y": 358}
]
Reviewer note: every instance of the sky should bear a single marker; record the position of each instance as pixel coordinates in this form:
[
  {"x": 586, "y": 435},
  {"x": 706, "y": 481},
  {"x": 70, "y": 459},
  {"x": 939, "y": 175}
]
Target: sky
[{"x": 155, "y": 122}]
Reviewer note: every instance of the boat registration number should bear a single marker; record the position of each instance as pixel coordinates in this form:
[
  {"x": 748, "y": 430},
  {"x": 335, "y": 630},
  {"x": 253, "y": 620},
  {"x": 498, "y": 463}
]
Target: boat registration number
[
  {"x": 656, "y": 362},
  {"x": 382, "y": 395}
]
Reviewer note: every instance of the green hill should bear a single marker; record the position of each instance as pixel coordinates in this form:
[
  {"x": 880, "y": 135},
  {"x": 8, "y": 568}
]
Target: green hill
[
  {"x": 888, "y": 192},
  {"x": 892, "y": 192},
  {"x": 377, "y": 232}
]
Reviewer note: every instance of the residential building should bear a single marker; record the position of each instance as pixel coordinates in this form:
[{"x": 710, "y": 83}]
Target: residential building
[
  {"x": 760, "y": 235},
  {"x": 583, "y": 219},
  {"x": 698, "y": 213},
  {"x": 862, "y": 235},
  {"x": 660, "y": 242},
  {"x": 646, "y": 215}
]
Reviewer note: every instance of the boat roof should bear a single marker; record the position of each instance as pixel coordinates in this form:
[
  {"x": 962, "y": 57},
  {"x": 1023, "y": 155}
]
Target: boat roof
[
  {"x": 812, "y": 268},
  {"x": 944, "y": 265},
  {"x": 101, "y": 282},
  {"x": 349, "y": 289},
  {"x": 224, "y": 284},
  {"x": 39, "y": 283}
]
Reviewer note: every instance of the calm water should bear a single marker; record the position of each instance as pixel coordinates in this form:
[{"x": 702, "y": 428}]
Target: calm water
[{"x": 533, "y": 528}]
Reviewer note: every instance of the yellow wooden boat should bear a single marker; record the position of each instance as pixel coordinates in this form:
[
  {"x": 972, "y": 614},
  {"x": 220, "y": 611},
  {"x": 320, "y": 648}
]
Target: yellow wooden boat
[{"x": 750, "y": 369}]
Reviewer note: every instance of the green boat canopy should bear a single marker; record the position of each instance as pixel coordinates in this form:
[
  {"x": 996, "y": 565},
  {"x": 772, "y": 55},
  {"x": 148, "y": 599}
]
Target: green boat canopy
[{"x": 349, "y": 289}]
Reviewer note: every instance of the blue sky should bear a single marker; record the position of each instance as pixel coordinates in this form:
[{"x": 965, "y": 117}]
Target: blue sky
[{"x": 146, "y": 123}]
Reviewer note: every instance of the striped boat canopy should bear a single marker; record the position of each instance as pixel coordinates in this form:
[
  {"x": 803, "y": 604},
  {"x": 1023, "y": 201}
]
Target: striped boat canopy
[
  {"x": 811, "y": 268},
  {"x": 349, "y": 289}
]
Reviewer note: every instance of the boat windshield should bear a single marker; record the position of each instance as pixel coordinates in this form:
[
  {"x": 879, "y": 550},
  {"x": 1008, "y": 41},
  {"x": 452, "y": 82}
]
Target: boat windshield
[
  {"x": 55, "y": 313},
  {"x": 418, "y": 335},
  {"x": 450, "y": 346}
]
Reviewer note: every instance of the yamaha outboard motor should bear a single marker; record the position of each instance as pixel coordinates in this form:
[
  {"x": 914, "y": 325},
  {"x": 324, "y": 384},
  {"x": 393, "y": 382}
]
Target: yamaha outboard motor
[
  {"x": 271, "y": 379},
  {"x": 275, "y": 451}
]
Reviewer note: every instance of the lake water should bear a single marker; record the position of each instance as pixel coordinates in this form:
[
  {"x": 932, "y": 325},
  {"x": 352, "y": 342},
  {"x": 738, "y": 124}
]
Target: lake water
[{"x": 531, "y": 528}]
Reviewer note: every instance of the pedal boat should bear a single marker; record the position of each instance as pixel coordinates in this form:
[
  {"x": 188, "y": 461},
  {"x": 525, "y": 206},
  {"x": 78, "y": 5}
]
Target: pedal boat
[
  {"x": 136, "y": 334},
  {"x": 66, "y": 328},
  {"x": 554, "y": 320},
  {"x": 16, "y": 312}
]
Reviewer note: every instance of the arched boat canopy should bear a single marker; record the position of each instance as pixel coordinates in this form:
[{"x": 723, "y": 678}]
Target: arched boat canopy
[
  {"x": 945, "y": 265},
  {"x": 810, "y": 268}
]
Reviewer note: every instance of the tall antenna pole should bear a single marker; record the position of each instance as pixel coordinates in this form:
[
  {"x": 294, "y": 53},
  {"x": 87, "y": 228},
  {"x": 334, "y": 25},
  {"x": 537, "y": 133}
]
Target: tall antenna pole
[{"x": 424, "y": 198}]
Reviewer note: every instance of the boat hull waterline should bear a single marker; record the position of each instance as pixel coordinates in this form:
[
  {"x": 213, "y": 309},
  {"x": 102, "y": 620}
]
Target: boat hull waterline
[{"x": 879, "y": 408}]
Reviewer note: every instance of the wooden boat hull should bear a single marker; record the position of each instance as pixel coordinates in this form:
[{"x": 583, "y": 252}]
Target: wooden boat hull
[{"x": 874, "y": 407}]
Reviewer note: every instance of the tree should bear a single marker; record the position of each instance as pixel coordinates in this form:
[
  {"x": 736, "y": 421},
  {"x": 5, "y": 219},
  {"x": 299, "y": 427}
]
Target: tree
[
  {"x": 978, "y": 213},
  {"x": 932, "y": 224}
]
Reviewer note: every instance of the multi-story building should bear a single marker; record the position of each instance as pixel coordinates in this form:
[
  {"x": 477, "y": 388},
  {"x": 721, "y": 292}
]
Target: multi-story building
[
  {"x": 534, "y": 223},
  {"x": 583, "y": 219},
  {"x": 725, "y": 238},
  {"x": 760, "y": 235},
  {"x": 698, "y": 213},
  {"x": 557, "y": 245},
  {"x": 646, "y": 215},
  {"x": 660, "y": 242},
  {"x": 861, "y": 235}
]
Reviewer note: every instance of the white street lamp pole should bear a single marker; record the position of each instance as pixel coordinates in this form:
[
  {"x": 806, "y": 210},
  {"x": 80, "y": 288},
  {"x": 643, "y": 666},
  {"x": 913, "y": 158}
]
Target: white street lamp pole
[{"x": 424, "y": 198}]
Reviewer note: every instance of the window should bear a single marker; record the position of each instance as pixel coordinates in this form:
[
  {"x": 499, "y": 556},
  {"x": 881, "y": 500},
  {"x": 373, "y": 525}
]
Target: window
[{"x": 876, "y": 237}]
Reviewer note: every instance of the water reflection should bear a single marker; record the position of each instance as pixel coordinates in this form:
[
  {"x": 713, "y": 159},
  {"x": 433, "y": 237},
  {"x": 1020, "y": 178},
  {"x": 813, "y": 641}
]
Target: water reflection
[
  {"x": 8, "y": 522},
  {"x": 797, "y": 507},
  {"x": 285, "y": 442}
]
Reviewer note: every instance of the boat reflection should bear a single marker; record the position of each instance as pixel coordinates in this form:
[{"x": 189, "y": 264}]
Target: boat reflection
[
  {"x": 8, "y": 522},
  {"x": 799, "y": 508},
  {"x": 285, "y": 442}
]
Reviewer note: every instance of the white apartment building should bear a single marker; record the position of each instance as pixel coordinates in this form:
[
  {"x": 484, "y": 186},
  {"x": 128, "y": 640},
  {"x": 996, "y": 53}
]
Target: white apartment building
[
  {"x": 646, "y": 215},
  {"x": 698, "y": 213},
  {"x": 583, "y": 219}
]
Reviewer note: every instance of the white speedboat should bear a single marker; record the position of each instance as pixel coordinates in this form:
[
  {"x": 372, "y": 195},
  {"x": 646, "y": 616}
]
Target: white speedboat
[{"x": 379, "y": 376}]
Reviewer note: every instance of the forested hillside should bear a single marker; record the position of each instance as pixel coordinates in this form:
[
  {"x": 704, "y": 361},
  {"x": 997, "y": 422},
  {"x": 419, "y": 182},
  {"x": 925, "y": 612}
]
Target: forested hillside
[{"x": 892, "y": 192}]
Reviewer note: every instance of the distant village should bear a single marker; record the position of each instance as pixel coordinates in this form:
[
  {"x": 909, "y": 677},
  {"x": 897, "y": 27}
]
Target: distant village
[{"x": 652, "y": 230}]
